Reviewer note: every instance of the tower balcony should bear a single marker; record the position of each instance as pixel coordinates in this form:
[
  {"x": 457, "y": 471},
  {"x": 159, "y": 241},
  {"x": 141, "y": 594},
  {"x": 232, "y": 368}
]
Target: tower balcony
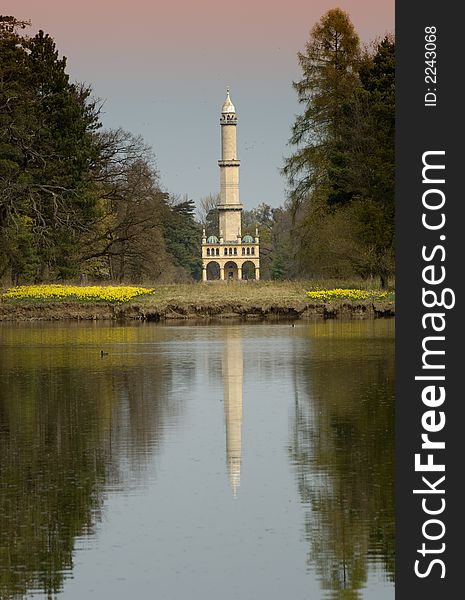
[
  {"x": 232, "y": 162},
  {"x": 230, "y": 248},
  {"x": 230, "y": 206},
  {"x": 228, "y": 119}
]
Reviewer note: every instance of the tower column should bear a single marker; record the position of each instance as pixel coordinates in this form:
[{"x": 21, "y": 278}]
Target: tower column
[
  {"x": 229, "y": 207},
  {"x": 221, "y": 273},
  {"x": 204, "y": 273},
  {"x": 239, "y": 271},
  {"x": 257, "y": 273}
]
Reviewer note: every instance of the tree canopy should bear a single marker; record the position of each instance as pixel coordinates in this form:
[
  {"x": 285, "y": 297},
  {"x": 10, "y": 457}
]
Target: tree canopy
[
  {"x": 77, "y": 200},
  {"x": 341, "y": 173},
  {"x": 47, "y": 156}
]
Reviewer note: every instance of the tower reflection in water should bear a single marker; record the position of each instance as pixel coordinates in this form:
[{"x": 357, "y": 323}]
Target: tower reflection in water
[{"x": 232, "y": 366}]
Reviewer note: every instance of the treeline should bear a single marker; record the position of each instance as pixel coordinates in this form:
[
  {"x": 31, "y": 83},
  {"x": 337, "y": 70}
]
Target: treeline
[
  {"x": 78, "y": 201},
  {"x": 341, "y": 174}
]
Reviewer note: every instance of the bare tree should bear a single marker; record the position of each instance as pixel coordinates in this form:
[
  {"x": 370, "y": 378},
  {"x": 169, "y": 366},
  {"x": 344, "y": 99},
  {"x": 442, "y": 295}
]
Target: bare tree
[
  {"x": 126, "y": 239},
  {"x": 206, "y": 204},
  {"x": 10, "y": 24}
]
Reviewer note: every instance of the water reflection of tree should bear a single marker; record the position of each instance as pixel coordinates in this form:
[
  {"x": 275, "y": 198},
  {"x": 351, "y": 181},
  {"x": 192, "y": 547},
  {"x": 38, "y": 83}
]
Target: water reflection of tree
[
  {"x": 343, "y": 449},
  {"x": 67, "y": 434}
]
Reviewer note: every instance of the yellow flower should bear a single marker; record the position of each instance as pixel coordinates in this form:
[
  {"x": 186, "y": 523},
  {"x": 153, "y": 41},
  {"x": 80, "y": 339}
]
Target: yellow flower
[
  {"x": 94, "y": 293},
  {"x": 346, "y": 294}
]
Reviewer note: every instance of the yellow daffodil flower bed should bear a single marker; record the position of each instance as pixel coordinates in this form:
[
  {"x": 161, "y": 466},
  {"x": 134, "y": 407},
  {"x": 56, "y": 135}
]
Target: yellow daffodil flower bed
[
  {"x": 90, "y": 293},
  {"x": 346, "y": 294}
]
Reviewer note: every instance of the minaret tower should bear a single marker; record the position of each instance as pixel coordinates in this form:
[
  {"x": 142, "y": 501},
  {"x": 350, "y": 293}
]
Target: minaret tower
[
  {"x": 234, "y": 256},
  {"x": 229, "y": 207}
]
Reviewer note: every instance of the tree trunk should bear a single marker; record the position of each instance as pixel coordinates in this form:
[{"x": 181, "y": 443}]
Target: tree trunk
[{"x": 383, "y": 280}]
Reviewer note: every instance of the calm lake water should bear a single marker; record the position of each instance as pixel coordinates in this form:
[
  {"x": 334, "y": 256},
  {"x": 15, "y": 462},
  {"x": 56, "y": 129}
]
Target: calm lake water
[{"x": 232, "y": 462}]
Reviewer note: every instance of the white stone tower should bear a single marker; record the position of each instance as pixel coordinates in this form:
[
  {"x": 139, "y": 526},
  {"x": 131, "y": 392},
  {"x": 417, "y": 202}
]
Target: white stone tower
[
  {"x": 230, "y": 207},
  {"x": 230, "y": 251}
]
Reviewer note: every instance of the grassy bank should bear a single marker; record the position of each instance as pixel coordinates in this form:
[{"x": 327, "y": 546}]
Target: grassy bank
[
  {"x": 219, "y": 300},
  {"x": 247, "y": 293}
]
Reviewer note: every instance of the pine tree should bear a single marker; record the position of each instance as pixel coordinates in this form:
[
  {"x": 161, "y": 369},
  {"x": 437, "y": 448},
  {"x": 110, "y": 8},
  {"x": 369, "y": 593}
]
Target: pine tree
[
  {"x": 329, "y": 69},
  {"x": 341, "y": 174},
  {"x": 47, "y": 153}
]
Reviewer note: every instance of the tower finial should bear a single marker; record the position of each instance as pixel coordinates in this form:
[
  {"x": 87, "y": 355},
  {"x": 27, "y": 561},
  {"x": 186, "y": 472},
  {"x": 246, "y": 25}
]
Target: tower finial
[{"x": 228, "y": 106}]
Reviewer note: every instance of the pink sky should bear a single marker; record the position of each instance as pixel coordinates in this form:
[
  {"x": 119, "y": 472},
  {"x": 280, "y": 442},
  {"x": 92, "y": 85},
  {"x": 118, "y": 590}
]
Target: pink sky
[{"x": 159, "y": 62}]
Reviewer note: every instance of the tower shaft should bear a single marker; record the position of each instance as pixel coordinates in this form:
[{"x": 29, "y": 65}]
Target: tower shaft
[{"x": 230, "y": 206}]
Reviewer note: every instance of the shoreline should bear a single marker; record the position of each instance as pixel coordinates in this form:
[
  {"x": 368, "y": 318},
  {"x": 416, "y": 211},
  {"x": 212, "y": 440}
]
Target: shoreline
[{"x": 152, "y": 311}]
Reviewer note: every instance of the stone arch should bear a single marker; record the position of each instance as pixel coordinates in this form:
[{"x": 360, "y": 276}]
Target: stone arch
[
  {"x": 213, "y": 270},
  {"x": 248, "y": 270},
  {"x": 230, "y": 270}
]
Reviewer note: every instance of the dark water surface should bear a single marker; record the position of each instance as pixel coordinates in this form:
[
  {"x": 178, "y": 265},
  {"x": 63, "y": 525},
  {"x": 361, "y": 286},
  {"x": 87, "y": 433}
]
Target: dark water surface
[{"x": 232, "y": 462}]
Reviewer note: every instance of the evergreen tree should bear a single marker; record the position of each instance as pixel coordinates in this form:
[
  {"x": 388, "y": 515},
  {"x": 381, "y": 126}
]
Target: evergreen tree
[
  {"x": 183, "y": 236},
  {"x": 369, "y": 174},
  {"x": 47, "y": 154},
  {"x": 341, "y": 174},
  {"x": 329, "y": 69}
]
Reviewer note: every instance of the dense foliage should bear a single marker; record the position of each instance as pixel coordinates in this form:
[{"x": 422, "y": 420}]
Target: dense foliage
[
  {"x": 75, "y": 201},
  {"x": 341, "y": 175}
]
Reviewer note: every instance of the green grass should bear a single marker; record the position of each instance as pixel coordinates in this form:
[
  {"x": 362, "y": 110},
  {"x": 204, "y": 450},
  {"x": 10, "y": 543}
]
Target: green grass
[
  {"x": 250, "y": 292},
  {"x": 285, "y": 293}
]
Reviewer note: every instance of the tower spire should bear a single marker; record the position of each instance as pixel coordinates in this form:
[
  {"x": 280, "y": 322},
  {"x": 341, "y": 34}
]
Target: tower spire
[{"x": 228, "y": 106}]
